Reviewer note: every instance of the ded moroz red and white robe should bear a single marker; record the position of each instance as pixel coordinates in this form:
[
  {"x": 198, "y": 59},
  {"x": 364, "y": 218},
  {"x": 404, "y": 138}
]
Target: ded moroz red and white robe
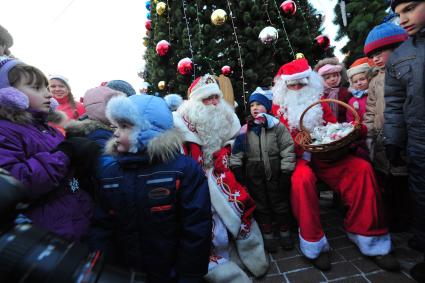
[{"x": 237, "y": 239}]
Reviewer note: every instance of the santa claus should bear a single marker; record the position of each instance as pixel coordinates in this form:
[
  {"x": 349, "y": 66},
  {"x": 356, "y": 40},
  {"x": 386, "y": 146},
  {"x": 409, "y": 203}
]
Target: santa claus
[
  {"x": 296, "y": 87},
  {"x": 208, "y": 124}
]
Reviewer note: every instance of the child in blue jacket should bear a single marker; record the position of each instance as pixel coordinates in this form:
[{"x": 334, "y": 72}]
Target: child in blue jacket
[{"x": 154, "y": 210}]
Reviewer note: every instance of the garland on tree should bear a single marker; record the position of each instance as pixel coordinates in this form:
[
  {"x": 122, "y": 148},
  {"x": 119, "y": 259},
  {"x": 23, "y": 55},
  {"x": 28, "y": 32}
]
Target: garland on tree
[{"x": 223, "y": 37}]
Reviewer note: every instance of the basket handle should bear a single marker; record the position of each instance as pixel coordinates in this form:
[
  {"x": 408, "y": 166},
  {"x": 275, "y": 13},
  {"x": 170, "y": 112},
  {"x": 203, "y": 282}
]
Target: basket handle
[{"x": 355, "y": 114}]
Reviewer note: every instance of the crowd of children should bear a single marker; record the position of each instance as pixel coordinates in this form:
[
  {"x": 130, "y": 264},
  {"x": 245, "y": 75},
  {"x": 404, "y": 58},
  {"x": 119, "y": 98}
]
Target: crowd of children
[{"x": 178, "y": 190}]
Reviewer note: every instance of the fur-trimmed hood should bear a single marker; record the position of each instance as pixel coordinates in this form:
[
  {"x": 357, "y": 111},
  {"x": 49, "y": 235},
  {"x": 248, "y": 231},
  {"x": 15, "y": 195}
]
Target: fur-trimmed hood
[
  {"x": 163, "y": 147},
  {"x": 15, "y": 115},
  {"x": 333, "y": 61},
  {"x": 85, "y": 127}
]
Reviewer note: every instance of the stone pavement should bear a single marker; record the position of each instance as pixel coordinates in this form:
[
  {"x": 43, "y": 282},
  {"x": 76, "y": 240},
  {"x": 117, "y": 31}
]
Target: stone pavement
[{"x": 348, "y": 264}]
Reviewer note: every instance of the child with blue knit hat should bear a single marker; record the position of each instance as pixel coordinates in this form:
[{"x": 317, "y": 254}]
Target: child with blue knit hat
[
  {"x": 265, "y": 149},
  {"x": 154, "y": 200},
  {"x": 379, "y": 45},
  {"x": 405, "y": 114}
]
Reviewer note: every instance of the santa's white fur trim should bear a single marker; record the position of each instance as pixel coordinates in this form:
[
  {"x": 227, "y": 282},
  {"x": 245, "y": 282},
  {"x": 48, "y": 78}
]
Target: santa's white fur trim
[
  {"x": 251, "y": 251},
  {"x": 297, "y": 76},
  {"x": 230, "y": 218},
  {"x": 312, "y": 250},
  {"x": 227, "y": 272},
  {"x": 188, "y": 135},
  {"x": 372, "y": 245}
]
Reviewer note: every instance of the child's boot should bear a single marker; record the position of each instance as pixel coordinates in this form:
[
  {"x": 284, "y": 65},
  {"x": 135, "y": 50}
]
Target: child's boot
[
  {"x": 286, "y": 241},
  {"x": 271, "y": 244}
]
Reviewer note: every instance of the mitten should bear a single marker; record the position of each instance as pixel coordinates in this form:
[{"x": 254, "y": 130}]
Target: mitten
[{"x": 82, "y": 152}]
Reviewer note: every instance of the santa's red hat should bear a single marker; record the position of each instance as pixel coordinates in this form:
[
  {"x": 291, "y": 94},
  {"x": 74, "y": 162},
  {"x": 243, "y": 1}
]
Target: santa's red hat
[
  {"x": 203, "y": 87},
  {"x": 296, "y": 70}
]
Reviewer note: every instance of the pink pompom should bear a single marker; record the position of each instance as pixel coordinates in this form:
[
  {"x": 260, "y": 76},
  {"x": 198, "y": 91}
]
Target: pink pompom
[{"x": 12, "y": 97}]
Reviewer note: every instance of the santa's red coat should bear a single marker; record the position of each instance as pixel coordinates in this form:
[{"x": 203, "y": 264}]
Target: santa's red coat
[{"x": 351, "y": 177}]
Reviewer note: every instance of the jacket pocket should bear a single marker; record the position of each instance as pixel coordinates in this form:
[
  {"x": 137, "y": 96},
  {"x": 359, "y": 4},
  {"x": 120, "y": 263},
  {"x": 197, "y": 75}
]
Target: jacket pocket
[
  {"x": 402, "y": 71},
  {"x": 162, "y": 197},
  {"x": 112, "y": 192}
]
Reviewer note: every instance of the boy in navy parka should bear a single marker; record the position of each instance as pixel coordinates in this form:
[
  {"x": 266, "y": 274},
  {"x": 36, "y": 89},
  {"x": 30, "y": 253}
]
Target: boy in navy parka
[{"x": 154, "y": 212}]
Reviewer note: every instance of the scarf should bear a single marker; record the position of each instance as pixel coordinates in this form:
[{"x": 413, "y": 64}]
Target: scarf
[
  {"x": 332, "y": 93},
  {"x": 358, "y": 93}
]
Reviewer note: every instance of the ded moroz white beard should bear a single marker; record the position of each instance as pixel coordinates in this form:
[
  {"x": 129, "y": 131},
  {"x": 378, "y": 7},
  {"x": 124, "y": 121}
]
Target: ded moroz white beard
[
  {"x": 212, "y": 124},
  {"x": 293, "y": 102}
]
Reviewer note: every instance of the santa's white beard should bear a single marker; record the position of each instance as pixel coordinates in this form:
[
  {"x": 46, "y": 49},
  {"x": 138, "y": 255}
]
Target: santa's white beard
[
  {"x": 293, "y": 102},
  {"x": 212, "y": 124}
]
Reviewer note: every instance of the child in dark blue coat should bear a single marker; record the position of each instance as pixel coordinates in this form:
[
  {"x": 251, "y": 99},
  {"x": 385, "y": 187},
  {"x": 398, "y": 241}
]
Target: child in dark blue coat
[{"x": 154, "y": 210}]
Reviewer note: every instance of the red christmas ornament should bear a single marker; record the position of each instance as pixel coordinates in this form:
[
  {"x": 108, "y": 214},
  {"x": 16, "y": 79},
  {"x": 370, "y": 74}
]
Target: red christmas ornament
[
  {"x": 323, "y": 41},
  {"x": 289, "y": 8},
  {"x": 162, "y": 48},
  {"x": 226, "y": 70},
  {"x": 185, "y": 66},
  {"x": 148, "y": 25}
]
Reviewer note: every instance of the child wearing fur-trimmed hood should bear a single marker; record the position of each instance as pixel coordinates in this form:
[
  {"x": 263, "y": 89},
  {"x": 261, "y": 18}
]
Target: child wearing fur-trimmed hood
[{"x": 155, "y": 200}]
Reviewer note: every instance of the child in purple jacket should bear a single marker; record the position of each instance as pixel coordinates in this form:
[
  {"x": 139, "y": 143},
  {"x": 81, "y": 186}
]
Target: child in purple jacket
[{"x": 37, "y": 155}]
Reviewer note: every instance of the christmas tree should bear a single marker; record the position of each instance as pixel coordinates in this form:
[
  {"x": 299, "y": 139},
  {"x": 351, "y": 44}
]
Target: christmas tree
[
  {"x": 355, "y": 19},
  {"x": 217, "y": 34}
]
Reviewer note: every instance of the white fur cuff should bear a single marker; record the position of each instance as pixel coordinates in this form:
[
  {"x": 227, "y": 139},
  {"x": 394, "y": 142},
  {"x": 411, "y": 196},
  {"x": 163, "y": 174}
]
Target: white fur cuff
[
  {"x": 372, "y": 245},
  {"x": 312, "y": 250}
]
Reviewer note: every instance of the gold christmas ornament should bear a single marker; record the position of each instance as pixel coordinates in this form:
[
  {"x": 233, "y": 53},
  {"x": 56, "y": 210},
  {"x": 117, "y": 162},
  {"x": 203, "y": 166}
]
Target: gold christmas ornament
[
  {"x": 145, "y": 42},
  {"x": 299, "y": 56},
  {"x": 155, "y": 1},
  {"x": 218, "y": 17},
  {"x": 161, "y": 85},
  {"x": 161, "y": 7}
]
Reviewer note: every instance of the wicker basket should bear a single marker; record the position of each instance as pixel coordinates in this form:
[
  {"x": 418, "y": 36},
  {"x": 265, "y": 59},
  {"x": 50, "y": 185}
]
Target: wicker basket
[{"x": 330, "y": 151}]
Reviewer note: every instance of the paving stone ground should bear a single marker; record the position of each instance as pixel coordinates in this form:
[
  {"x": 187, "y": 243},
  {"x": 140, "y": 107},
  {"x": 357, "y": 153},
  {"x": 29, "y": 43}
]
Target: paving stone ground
[{"x": 348, "y": 264}]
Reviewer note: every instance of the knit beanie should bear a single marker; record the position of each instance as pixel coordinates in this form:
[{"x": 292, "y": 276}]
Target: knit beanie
[
  {"x": 203, "y": 87},
  {"x": 394, "y": 3},
  {"x": 6, "y": 64},
  {"x": 122, "y": 86},
  {"x": 95, "y": 101},
  {"x": 384, "y": 36},
  {"x": 173, "y": 101},
  {"x": 11, "y": 96},
  {"x": 148, "y": 114},
  {"x": 363, "y": 60},
  {"x": 62, "y": 79},
  {"x": 262, "y": 96},
  {"x": 362, "y": 68},
  {"x": 329, "y": 69}
]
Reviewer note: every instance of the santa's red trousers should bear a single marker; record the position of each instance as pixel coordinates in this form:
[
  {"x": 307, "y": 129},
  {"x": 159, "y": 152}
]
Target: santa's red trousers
[{"x": 354, "y": 180}]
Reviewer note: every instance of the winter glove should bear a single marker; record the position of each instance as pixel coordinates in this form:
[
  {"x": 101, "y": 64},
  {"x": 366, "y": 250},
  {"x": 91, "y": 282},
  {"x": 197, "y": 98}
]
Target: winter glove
[
  {"x": 239, "y": 175},
  {"x": 393, "y": 155},
  {"x": 82, "y": 152},
  {"x": 285, "y": 180}
]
